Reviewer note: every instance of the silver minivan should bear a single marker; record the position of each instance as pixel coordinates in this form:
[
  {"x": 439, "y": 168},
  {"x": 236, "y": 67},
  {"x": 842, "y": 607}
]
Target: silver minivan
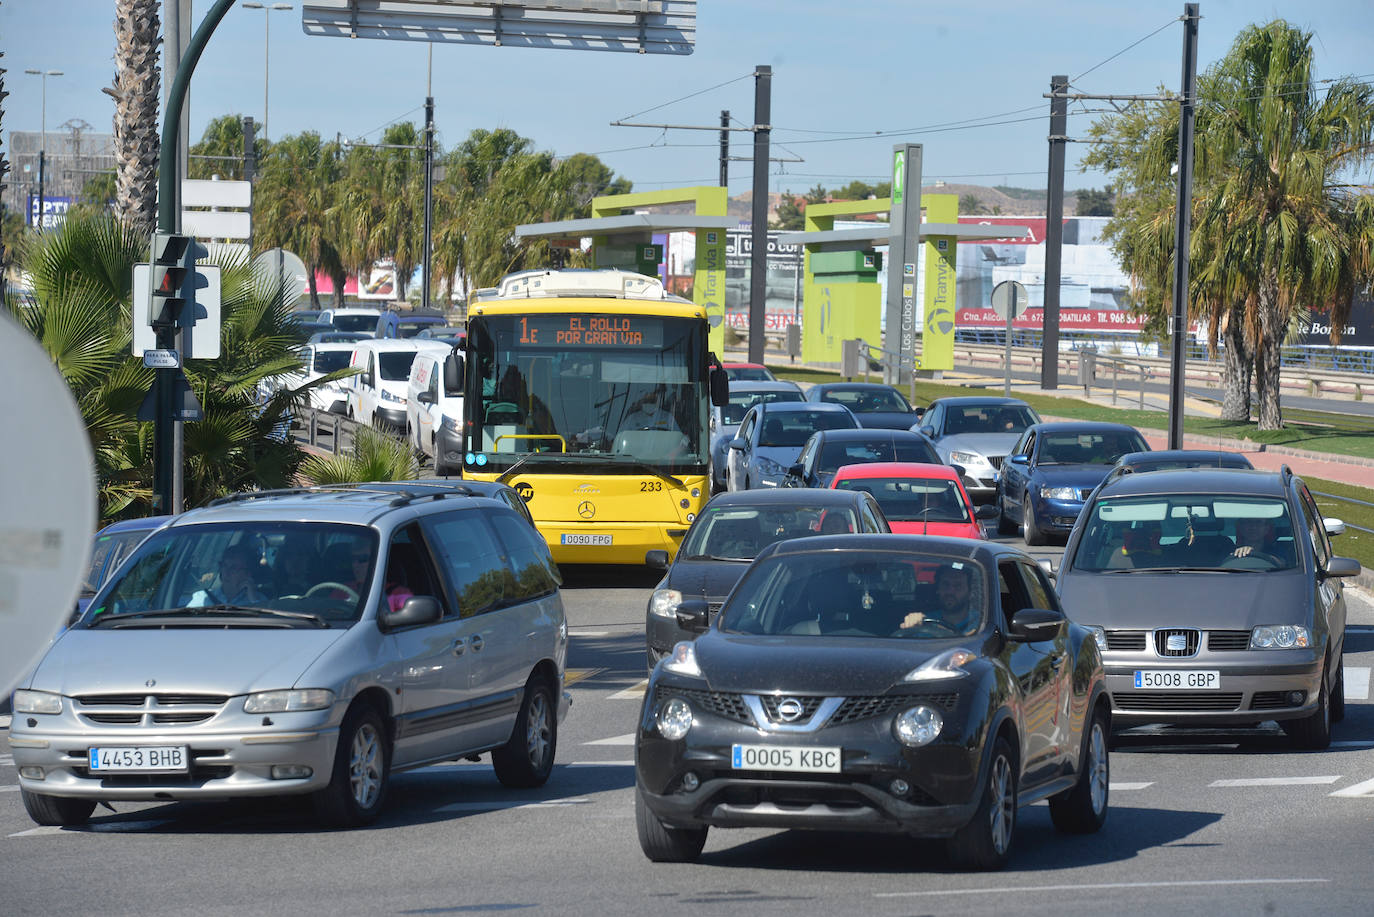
[{"x": 311, "y": 641}]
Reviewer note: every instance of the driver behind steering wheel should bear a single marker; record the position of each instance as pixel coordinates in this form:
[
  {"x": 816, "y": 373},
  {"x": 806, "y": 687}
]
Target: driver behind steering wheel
[{"x": 955, "y": 609}]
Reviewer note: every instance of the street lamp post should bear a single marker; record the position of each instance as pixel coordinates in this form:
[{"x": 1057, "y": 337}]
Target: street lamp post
[
  {"x": 267, "y": 9},
  {"x": 43, "y": 144}
]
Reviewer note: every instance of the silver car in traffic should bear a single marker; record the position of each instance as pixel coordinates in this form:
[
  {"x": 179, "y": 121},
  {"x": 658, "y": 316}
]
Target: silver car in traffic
[{"x": 308, "y": 642}]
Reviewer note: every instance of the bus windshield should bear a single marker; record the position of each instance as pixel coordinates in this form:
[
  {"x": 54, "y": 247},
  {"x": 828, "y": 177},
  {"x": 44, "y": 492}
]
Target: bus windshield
[{"x": 605, "y": 392}]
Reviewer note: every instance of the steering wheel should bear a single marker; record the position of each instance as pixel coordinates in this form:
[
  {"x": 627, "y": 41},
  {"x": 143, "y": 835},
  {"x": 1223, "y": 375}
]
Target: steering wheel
[
  {"x": 1255, "y": 560},
  {"x": 349, "y": 591}
]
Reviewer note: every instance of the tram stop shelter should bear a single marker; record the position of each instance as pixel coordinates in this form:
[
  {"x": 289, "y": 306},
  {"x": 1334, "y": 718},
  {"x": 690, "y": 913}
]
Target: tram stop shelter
[
  {"x": 841, "y": 298},
  {"x": 622, "y": 236}
]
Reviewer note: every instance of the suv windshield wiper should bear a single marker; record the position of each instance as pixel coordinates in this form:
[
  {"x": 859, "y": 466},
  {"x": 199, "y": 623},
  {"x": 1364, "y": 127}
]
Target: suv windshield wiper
[{"x": 209, "y": 610}]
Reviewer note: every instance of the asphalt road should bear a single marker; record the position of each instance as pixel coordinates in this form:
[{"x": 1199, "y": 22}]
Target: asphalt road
[{"x": 1207, "y": 823}]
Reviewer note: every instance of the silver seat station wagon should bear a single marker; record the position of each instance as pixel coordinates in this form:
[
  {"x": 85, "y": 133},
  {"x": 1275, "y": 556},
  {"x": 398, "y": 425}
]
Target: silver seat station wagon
[{"x": 309, "y": 641}]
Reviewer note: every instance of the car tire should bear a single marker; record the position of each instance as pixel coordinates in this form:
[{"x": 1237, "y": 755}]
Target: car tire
[
  {"x": 57, "y": 811},
  {"x": 661, "y": 843},
  {"x": 1313, "y": 732},
  {"x": 526, "y": 760},
  {"x": 1083, "y": 809},
  {"x": 1030, "y": 531},
  {"x": 1004, "y": 525},
  {"x": 985, "y": 842},
  {"x": 1338, "y": 693},
  {"x": 357, "y": 787}
]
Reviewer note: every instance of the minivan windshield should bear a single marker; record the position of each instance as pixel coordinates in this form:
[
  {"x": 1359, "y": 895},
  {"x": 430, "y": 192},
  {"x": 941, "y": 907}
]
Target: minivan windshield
[
  {"x": 1187, "y": 531},
  {"x": 270, "y": 573},
  {"x": 906, "y": 595}
]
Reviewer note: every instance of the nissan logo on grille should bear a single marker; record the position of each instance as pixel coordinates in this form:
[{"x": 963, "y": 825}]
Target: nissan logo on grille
[{"x": 790, "y": 709}]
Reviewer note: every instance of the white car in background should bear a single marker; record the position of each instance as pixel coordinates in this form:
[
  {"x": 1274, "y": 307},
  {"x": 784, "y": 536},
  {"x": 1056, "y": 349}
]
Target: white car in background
[
  {"x": 377, "y": 394},
  {"x": 434, "y": 405}
]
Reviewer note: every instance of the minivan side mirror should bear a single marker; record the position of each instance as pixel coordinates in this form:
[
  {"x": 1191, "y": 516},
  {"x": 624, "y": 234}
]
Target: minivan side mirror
[
  {"x": 1342, "y": 566},
  {"x": 418, "y": 609}
]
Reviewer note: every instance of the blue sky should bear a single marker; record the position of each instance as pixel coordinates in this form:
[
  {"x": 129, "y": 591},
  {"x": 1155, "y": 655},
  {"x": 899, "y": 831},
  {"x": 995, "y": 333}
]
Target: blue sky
[{"x": 907, "y": 68}]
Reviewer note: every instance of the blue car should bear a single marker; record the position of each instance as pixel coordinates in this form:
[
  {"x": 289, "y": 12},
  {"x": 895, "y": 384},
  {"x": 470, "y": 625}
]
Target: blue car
[
  {"x": 771, "y": 436},
  {"x": 110, "y": 546},
  {"x": 1052, "y": 470}
]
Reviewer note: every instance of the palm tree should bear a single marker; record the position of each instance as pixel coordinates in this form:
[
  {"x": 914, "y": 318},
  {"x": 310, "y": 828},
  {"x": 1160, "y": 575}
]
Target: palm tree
[
  {"x": 294, "y": 193},
  {"x": 136, "y": 94},
  {"x": 220, "y": 150},
  {"x": 1276, "y": 228},
  {"x": 355, "y": 213},
  {"x": 82, "y": 317},
  {"x": 400, "y": 187},
  {"x": 375, "y": 457}
]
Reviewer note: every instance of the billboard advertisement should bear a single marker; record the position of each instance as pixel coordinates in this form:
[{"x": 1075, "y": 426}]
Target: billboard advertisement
[
  {"x": 54, "y": 210},
  {"x": 782, "y": 291},
  {"x": 380, "y": 282}
]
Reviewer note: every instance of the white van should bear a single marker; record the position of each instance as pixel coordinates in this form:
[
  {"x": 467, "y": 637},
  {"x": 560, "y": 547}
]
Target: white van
[
  {"x": 353, "y": 318},
  {"x": 434, "y": 407},
  {"x": 377, "y": 394}
]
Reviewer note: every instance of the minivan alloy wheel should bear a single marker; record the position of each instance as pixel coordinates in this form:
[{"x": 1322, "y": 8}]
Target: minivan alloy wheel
[{"x": 365, "y": 766}]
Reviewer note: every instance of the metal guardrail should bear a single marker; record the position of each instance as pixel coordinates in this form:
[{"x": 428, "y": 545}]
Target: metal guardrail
[{"x": 1349, "y": 525}]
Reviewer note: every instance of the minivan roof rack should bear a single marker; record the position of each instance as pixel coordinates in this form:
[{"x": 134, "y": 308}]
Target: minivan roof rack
[{"x": 400, "y": 492}]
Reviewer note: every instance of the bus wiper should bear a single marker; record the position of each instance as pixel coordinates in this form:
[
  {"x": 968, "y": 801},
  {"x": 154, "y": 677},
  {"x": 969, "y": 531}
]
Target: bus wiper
[{"x": 650, "y": 469}]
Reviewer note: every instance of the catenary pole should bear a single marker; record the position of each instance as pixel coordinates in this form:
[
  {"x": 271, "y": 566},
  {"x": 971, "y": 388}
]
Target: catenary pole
[
  {"x": 1182, "y": 227},
  {"x": 758, "y": 260},
  {"x": 1054, "y": 232}
]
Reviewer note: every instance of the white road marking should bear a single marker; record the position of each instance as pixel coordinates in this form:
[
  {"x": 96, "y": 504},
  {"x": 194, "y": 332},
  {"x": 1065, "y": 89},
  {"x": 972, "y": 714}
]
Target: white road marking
[
  {"x": 1275, "y": 781},
  {"x": 1366, "y": 743},
  {"x": 9, "y": 789},
  {"x": 1357, "y": 682},
  {"x": 627, "y": 739},
  {"x": 6, "y": 760},
  {"x": 588, "y": 633},
  {"x": 1099, "y": 886},
  {"x": 1130, "y": 786},
  {"x": 497, "y": 804},
  {"x": 5, "y": 721},
  {"x": 1359, "y": 789},
  {"x": 634, "y": 692},
  {"x": 600, "y": 764},
  {"x": 45, "y": 831}
]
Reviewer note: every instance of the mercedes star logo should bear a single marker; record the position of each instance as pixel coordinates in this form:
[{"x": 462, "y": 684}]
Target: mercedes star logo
[
  {"x": 586, "y": 510},
  {"x": 789, "y": 709}
]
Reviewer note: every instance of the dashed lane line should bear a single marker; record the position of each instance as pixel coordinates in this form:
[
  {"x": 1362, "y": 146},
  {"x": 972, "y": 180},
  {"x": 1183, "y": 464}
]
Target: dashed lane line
[
  {"x": 6, "y": 760},
  {"x": 634, "y": 692},
  {"x": 627, "y": 739},
  {"x": 5, "y": 721},
  {"x": 1356, "y": 682},
  {"x": 1274, "y": 781},
  {"x": 1130, "y": 785},
  {"x": 1095, "y": 886},
  {"x": 1359, "y": 789},
  {"x": 495, "y": 804}
]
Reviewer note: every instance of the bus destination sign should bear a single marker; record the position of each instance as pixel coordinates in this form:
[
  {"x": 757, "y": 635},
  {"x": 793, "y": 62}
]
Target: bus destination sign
[{"x": 590, "y": 331}]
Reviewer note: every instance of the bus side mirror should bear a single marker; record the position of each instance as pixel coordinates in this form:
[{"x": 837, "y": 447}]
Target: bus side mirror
[
  {"x": 720, "y": 388},
  {"x": 453, "y": 374}
]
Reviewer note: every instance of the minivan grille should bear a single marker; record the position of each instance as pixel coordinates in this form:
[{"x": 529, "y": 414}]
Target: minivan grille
[
  {"x": 1228, "y": 640},
  {"x": 1126, "y": 640},
  {"x": 1176, "y": 641},
  {"x": 1195, "y": 701},
  {"x": 148, "y": 709}
]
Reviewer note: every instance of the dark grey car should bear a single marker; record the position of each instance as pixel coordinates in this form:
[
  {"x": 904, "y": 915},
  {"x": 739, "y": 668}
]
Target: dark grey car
[{"x": 1216, "y": 599}]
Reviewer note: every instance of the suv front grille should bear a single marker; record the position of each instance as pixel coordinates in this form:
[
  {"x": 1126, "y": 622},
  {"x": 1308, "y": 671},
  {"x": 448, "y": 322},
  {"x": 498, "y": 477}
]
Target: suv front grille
[
  {"x": 1228, "y": 640},
  {"x": 808, "y": 705},
  {"x": 995, "y": 461},
  {"x": 728, "y": 705},
  {"x": 1176, "y": 641},
  {"x": 1126, "y": 640}
]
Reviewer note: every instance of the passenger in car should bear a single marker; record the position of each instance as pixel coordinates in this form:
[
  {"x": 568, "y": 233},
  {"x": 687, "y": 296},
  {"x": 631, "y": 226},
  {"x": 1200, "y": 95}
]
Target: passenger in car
[
  {"x": 235, "y": 584},
  {"x": 1140, "y": 547}
]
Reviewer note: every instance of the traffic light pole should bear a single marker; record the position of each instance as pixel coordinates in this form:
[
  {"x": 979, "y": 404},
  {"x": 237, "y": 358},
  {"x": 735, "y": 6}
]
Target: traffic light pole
[{"x": 167, "y": 472}]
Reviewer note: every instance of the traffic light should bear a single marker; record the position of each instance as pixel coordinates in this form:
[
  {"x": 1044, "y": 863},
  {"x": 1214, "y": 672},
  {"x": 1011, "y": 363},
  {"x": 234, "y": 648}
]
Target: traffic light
[{"x": 168, "y": 276}]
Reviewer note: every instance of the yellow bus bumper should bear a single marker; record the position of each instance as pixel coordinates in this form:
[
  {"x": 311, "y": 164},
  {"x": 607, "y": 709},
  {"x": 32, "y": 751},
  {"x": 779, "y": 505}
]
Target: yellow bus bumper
[{"x": 610, "y": 542}]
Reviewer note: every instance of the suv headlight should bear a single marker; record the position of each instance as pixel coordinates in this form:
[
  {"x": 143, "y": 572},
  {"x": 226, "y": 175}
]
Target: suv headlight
[
  {"x": 949, "y": 664},
  {"x": 664, "y": 603},
  {"x": 1279, "y": 637},
  {"x": 288, "y": 701},
  {"x": 674, "y": 719},
  {"x": 37, "y": 702},
  {"x": 917, "y": 726},
  {"x": 1100, "y": 635},
  {"x": 1058, "y": 493}
]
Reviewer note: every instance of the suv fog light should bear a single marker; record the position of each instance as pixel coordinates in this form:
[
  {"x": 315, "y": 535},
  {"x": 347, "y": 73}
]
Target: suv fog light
[
  {"x": 291, "y": 771},
  {"x": 899, "y": 787},
  {"x": 917, "y": 726},
  {"x": 32, "y": 773},
  {"x": 674, "y": 719},
  {"x": 690, "y": 782},
  {"x": 1295, "y": 698}
]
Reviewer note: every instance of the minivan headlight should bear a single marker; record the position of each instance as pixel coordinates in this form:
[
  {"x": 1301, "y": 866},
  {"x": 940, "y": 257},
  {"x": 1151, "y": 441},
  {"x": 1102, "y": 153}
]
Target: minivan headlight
[
  {"x": 37, "y": 702},
  {"x": 288, "y": 701},
  {"x": 1279, "y": 637},
  {"x": 664, "y": 603}
]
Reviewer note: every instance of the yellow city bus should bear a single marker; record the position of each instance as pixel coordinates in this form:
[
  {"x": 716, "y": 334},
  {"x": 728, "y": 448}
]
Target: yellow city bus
[{"x": 589, "y": 392}]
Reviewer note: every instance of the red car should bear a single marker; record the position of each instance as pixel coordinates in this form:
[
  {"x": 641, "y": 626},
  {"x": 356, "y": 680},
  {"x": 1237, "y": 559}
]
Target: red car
[
  {"x": 747, "y": 372},
  {"x": 917, "y": 498}
]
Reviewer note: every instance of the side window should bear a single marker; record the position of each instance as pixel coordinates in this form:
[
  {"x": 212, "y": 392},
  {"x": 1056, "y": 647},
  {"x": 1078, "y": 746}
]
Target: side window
[
  {"x": 808, "y": 454},
  {"x": 531, "y": 570},
  {"x": 372, "y": 366},
  {"x": 1037, "y": 590},
  {"x": 1316, "y": 528},
  {"x": 434, "y": 380},
  {"x": 1027, "y": 446},
  {"x": 934, "y": 418},
  {"x": 409, "y": 569},
  {"x": 1012, "y": 588},
  {"x": 747, "y": 430},
  {"x": 870, "y": 520},
  {"x": 471, "y": 556}
]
